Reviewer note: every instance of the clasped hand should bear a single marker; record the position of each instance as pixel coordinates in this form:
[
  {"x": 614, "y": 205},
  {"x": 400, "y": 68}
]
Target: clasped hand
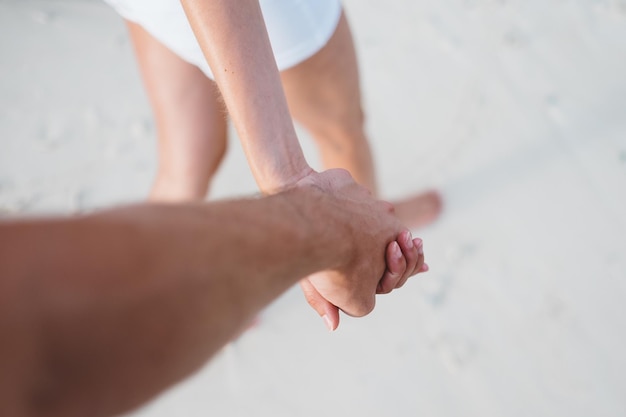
[{"x": 376, "y": 253}]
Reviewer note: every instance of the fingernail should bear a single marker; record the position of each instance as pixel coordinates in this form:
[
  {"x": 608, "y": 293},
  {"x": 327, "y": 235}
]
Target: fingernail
[
  {"x": 329, "y": 325},
  {"x": 424, "y": 268},
  {"x": 395, "y": 248},
  {"x": 409, "y": 240}
]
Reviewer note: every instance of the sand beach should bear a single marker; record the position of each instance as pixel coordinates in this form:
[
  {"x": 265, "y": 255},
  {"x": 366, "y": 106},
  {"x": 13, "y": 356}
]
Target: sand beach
[{"x": 515, "y": 110}]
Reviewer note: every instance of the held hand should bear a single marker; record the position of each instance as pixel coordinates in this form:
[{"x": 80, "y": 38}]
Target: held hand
[
  {"x": 397, "y": 273},
  {"x": 379, "y": 257},
  {"x": 405, "y": 258}
]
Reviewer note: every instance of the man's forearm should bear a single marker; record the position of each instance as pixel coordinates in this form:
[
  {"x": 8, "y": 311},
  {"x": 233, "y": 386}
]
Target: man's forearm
[
  {"x": 234, "y": 39},
  {"x": 123, "y": 303}
]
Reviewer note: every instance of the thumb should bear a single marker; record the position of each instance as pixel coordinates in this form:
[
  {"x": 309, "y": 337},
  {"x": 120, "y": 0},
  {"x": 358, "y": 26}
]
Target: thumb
[{"x": 328, "y": 311}]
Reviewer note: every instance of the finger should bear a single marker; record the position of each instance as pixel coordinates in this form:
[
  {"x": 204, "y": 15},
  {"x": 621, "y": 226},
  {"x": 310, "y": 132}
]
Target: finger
[
  {"x": 396, "y": 267},
  {"x": 419, "y": 244},
  {"x": 420, "y": 264},
  {"x": 328, "y": 311},
  {"x": 410, "y": 252}
]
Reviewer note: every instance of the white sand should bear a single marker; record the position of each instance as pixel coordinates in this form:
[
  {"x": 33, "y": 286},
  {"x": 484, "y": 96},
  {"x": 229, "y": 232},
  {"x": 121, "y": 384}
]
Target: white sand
[{"x": 516, "y": 110}]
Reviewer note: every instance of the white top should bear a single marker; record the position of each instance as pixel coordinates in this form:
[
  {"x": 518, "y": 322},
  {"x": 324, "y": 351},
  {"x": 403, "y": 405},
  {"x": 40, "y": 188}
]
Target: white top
[{"x": 297, "y": 28}]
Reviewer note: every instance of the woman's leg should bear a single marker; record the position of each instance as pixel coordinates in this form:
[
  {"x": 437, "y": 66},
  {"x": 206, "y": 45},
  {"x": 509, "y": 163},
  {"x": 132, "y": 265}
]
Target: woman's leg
[
  {"x": 190, "y": 120},
  {"x": 324, "y": 96}
]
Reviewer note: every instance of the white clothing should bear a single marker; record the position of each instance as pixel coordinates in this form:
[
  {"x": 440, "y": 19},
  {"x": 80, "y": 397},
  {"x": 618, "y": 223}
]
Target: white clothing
[{"x": 297, "y": 28}]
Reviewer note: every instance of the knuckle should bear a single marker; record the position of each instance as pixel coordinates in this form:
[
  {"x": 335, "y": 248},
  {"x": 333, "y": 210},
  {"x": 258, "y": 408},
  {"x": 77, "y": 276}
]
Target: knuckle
[{"x": 343, "y": 173}]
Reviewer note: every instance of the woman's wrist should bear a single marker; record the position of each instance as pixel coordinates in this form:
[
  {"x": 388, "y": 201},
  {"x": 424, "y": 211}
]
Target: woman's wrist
[{"x": 284, "y": 176}]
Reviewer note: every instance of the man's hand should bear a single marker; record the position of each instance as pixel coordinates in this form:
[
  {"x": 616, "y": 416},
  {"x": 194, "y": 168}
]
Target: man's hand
[{"x": 380, "y": 254}]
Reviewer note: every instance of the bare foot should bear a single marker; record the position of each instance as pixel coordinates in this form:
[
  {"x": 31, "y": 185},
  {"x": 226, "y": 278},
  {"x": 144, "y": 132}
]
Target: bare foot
[{"x": 419, "y": 210}]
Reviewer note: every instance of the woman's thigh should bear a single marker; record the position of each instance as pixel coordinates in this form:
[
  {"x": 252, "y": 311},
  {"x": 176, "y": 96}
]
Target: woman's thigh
[{"x": 323, "y": 92}]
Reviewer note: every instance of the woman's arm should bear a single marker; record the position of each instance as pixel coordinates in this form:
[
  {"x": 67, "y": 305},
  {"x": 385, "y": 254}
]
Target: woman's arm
[{"x": 234, "y": 40}]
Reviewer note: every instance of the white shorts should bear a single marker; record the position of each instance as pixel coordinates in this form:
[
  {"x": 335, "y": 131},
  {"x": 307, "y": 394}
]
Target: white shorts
[{"x": 297, "y": 28}]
